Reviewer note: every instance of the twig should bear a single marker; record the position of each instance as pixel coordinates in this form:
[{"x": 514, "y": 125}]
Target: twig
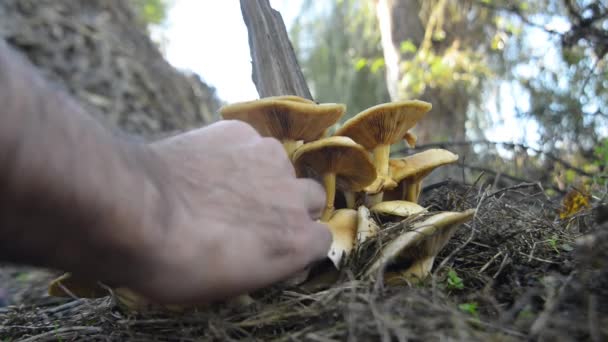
[
  {"x": 489, "y": 262},
  {"x": 513, "y": 178},
  {"x": 538, "y": 259},
  {"x": 514, "y": 187},
  {"x": 58, "y": 332},
  {"x": 502, "y": 265},
  {"x": 64, "y": 306}
]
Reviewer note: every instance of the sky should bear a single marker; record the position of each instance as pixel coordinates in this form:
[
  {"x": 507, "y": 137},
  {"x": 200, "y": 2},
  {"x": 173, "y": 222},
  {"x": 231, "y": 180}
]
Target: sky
[{"x": 210, "y": 38}]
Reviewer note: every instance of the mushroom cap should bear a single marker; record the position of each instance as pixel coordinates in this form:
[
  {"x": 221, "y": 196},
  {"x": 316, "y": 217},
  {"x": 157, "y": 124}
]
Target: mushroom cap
[
  {"x": 419, "y": 165},
  {"x": 340, "y": 155},
  {"x": 424, "y": 240},
  {"x": 293, "y": 98},
  {"x": 343, "y": 227},
  {"x": 397, "y": 208},
  {"x": 286, "y": 118},
  {"x": 384, "y": 124}
]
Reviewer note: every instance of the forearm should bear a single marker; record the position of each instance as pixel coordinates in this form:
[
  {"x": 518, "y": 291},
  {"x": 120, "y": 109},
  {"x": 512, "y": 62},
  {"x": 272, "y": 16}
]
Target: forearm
[{"x": 65, "y": 182}]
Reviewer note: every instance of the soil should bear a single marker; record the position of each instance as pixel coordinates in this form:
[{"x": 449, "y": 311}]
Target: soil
[{"x": 515, "y": 272}]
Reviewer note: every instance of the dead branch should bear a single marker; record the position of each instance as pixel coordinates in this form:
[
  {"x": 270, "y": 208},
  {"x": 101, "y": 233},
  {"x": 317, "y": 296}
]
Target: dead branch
[{"x": 275, "y": 67}]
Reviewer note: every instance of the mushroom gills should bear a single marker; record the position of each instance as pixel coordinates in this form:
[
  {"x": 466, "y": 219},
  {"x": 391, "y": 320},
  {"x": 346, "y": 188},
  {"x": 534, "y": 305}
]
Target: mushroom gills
[
  {"x": 417, "y": 247},
  {"x": 409, "y": 172}
]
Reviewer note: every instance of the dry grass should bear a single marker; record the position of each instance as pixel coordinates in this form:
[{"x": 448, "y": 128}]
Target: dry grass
[{"x": 523, "y": 275}]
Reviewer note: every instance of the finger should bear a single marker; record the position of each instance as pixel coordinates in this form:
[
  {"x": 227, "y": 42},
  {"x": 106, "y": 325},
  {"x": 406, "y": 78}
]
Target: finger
[
  {"x": 314, "y": 241},
  {"x": 314, "y": 196}
]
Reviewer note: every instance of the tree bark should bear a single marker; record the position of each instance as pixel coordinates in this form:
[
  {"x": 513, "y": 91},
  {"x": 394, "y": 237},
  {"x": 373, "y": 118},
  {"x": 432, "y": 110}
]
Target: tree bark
[
  {"x": 401, "y": 20},
  {"x": 100, "y": 52},
  {"x": 275, "y": 67}
]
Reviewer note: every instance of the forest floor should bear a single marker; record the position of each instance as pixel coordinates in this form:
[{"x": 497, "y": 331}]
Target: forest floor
[{"x": 516, "y": 272}]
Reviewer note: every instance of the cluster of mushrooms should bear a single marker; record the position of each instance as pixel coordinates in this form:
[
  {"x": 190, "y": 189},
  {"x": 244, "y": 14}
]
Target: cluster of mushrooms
[{"x": 366, "y": 191}]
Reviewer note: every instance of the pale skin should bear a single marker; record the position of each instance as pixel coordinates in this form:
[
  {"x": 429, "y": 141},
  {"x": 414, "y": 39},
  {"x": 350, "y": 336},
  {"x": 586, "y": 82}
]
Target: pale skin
[{"x": 201, "y": 216}]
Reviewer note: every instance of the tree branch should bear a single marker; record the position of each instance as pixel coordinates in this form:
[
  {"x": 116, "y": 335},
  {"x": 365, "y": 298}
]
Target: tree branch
[
  {"x": 510, "y": 145},
  {"x": 275, "y": 67}
]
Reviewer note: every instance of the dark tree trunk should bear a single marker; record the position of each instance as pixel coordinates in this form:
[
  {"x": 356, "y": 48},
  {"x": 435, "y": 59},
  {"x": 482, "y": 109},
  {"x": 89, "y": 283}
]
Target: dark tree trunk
[{"x": 100, "y": 52}]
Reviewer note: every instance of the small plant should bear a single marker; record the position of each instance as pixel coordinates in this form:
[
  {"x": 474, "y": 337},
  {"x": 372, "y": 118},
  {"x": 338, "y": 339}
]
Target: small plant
[
  {"x": 470, "y": 308},
  {"x": 525, "y": 314},
  {"x": 553, "y": 243},
  {"x": 454, "y": 281}
]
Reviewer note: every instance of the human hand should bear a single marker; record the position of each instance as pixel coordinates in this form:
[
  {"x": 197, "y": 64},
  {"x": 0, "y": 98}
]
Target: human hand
[{"x": 235, "y": 218}]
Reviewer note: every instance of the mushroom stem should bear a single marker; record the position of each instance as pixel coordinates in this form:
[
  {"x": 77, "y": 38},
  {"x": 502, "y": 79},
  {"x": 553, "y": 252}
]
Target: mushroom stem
[
  {"x": 411, "y": 191},
  {"x": 291, "y": 145},
  {"x": 420, "y": 269},
  {"x": 381, "y": 158},
  {"x": 351, "y": 200},
  {"x": 329, "y": 182}
]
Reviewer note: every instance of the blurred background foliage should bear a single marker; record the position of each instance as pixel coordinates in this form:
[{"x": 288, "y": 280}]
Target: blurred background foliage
[{"x": 478, "y": 62}]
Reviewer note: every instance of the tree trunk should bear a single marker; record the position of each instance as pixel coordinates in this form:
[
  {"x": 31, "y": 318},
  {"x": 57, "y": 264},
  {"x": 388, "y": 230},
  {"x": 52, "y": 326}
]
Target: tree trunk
[
  {"x": 402, "y": 20},
  {"x": 275, "y": 68},
  {"x": 100, "y": 52}
]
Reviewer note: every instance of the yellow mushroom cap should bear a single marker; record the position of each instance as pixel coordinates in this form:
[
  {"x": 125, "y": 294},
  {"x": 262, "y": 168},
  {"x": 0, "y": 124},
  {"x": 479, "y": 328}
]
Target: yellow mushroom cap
[
  {"x": 397, "y": 208},
  {"x": 425, "y": 240},
  {"x": 343, "y": 227},
  {"x": 286, "y": 118},
  {"x": 293, "y": 98},
  {"x": 419, "y": 165},
  {"x": 384, "y": 124},
  {"x": 340, "y": 155}
]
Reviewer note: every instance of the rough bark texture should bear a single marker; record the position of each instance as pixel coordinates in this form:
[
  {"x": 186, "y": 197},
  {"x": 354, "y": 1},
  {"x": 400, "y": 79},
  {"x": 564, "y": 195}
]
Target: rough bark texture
[
  {"x": 399, "y": 21},
  {"x": 99, "y": 51},
  {"x": 275, "y": 67}
]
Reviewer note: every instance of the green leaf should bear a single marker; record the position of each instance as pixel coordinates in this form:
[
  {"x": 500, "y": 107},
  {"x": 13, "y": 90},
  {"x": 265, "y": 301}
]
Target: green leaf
[
  {"x": 470, "y": 308},
  {"x": 408, "y": 46},
  {"x": 454, "y": 281},
  {"x": 360, "y": 64},
  {"x": 377, "y": 65}
]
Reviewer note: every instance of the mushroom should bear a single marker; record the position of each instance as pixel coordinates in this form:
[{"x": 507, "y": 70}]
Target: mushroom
[
  {"x": 338, "y": 162},
  {"x": 343, "y": 227},
  {"x": 397, "y": 208},
  {"x": 290, "y": 119},
  {"x": 418, "y": 247},
  {"x": 379, "y": 127},
  {"x": 411, "y": 139},
  {"x": 409, "y": 172}
]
